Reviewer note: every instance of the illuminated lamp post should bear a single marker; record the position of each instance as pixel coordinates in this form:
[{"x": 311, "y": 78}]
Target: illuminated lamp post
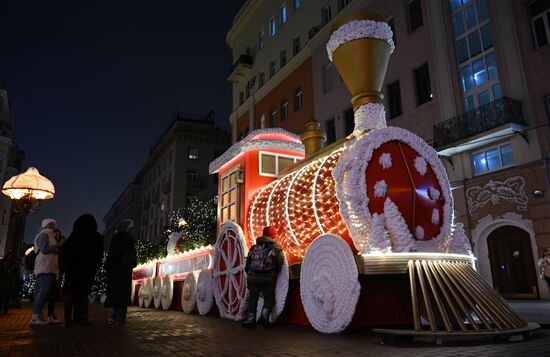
[{"x": 26, "y": 191}]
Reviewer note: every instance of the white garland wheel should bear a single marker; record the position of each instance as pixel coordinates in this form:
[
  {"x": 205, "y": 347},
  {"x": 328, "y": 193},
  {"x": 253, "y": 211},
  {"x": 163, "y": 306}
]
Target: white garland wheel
[
  {"x": 281, "y": 292},
  {"x": 188, "y": 295},
  {"x": 157, "y": 287},
  {"x": 167, "y": 292},
  {"x": 147, "y": 292},
  {"x": 205, "y": 295},
  {"x": 329, "y": 285},
  {"x": 228, "y": 271},
  {"x": 141, "y": 295}
]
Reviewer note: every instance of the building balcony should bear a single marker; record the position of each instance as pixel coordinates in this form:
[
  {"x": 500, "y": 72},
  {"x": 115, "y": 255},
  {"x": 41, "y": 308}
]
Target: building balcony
[
  {"x": 478, "y": 127},
  {"x": 241, "y": 69}
]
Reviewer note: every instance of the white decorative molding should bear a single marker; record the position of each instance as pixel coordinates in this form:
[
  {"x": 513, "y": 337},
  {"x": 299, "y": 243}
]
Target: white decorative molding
[{"x": 511, "y": 190}]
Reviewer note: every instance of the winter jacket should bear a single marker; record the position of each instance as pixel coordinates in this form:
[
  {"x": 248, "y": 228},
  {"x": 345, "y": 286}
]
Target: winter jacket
[
  {"x": 45, "y": 246},
  {"x": 121, "y": 260},
  {"x": 263, "y": 278}
]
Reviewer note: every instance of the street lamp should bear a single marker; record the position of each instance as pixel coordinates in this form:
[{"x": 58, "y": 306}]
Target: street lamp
[{"x": 28, "y": 189}]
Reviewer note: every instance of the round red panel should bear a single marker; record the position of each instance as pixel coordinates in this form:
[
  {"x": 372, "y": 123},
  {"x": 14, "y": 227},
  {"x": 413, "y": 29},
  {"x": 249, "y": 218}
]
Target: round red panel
[{"x": 408, "y": 186}]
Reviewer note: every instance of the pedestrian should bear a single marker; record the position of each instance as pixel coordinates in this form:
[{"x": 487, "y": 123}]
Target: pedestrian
[
  {"x": 81, "y": 256},
  {"x": 544, "y": 265},
  {"x": 121, "y": 259},
  {"x": 56, "y": 285},
  {"x": 263, "y": 263},
  {"x": 9, "y": 275},
  {"x": 46, "y": 267}
]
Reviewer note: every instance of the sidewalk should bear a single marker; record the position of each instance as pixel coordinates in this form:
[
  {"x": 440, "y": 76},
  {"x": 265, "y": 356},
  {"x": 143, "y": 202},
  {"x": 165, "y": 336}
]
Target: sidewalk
[
  {"x": 157, "y": 333},
  {"x": 533, "y": 310}
]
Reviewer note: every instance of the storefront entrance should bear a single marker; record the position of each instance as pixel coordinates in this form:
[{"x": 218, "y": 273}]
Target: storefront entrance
[{"x": 512, "y": 265}]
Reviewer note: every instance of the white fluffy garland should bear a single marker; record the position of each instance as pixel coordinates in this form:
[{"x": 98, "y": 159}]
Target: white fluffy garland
[
  {"x": 249, "y": 143},
  {"x": 419, "y": 232},
  {"x": 188, "y": 294},
  {"x": 351, "y": 189},
  {"x": 357, "y": 29},
  {"x": 459, "y": 243},
  {"x": 420, "y": 165},
  {"x": 205, "y": 296},
  {"x": 435, "y": 216},
  {"x": 146, "y": 291},
  {"x": 329, "y": 288},
  {"x": 379, "y": 242},
  {"x": 369, "y": 116},
  {"x": 133, "y": 292},
  {"x": 385, "y": 160},
  {"x": 230, "y": 305},
  {"x": 398, "y": 231},
  {"x": 434, "y": 193},
  {"x": 380, "y": 189},
  {"x": 157, "y": 287},
  {"x": 167, "y": 292}
]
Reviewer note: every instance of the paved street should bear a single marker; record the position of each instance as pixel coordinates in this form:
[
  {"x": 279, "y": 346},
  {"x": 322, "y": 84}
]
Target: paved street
[{"x": 172, "y": 333}]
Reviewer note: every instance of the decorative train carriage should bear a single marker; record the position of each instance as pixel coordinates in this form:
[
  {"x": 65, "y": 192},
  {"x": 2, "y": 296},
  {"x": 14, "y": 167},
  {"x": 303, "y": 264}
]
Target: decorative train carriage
[{"x": 366, "y": 224}]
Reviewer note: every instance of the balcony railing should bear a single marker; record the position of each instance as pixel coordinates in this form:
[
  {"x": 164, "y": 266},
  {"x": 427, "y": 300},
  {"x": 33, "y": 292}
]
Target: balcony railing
[
  {"x": 483, "y": 118},
  {"x": 240, "y": 68}
]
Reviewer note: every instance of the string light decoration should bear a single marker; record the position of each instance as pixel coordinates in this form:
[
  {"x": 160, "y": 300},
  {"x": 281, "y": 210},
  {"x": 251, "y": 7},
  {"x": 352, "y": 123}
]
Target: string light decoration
[{"x": 99, "y": 286}]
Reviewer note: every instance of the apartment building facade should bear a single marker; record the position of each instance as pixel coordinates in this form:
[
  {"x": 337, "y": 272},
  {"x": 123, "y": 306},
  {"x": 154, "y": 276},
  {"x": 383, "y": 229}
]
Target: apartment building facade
[
  {"x": 177, "y": 168},
  {"x": 471, "y": 77}
]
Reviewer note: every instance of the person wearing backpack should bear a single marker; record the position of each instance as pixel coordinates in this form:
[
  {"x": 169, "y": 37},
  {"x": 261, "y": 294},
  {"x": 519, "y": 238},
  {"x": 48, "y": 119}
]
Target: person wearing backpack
[
  {"x": 263, "y": 263},
  {"x": 46, "y": 267}
]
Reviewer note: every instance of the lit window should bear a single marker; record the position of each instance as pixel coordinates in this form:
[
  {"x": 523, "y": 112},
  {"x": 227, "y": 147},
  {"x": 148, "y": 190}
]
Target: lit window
[
  {"x": 493, "y": 159},
  {"x": 272, "y": 27},
  {"x": 283, "y": 14},
  {"x": 229, "y": 200},
  {"x": 297, "y": 4},
  {"x": 273, "y": 164},
  {"x": 193, "y": 154}
]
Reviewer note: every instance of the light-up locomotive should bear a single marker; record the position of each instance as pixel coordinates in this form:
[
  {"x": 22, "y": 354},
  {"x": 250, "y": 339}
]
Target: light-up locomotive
[{"x": 366, "y": 224}]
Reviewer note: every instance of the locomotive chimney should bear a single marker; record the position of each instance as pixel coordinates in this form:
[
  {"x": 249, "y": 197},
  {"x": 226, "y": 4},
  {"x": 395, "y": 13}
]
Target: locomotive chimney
[
  {"x": 360, "y": 48},
  {"x": 313, "y": 138}
]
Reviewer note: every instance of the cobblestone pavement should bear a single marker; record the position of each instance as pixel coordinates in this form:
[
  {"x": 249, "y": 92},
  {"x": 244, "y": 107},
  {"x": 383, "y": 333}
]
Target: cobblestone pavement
[{"x": 151, "y": 332}]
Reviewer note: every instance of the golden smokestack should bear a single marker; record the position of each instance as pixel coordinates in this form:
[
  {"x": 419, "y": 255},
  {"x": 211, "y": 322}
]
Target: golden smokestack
[
  {"x": 313, "y": 138},
  {"x": 360, "y": 57}
]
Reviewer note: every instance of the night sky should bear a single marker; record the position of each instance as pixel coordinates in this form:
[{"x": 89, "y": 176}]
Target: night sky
[{"x": 93, "y": 84}]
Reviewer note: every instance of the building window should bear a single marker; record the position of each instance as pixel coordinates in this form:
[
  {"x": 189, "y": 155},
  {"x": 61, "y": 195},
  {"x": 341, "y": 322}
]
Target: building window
[
  {"x": 261, "y": 39},
  {"x": 326, "y": 15},
  {"x": 342, "y": 4},
  {"x": 229, "y": 199},
  {"x": 241, "y": 98},
  {"x": 283, "y": 14},
  {"x": 192, "y": 174},
  {"x": 540, "y": 21},
  {"x": 273, "y": 164},
  {"x": 391, "y": 24},
  {"x": 193, "y": 153},
  {"x": 298, "y": 99},
  {"x": 271, "y": 69},
  {"x": 284, "y": 109},
  {"x": 273, "y": 117},
  {"x": 272, "y": 27},
  {"x": 331, "y": 131},
  {"x": 327, "y": 76},
  {"x": 394, "y": 99},
  {"x": 297, "y": 4},
  {"x": 349, "y": 120},
  {"x": 422, "y": 85},
  {"x": 283, "y": 58},
  {"x": 296, "y": 46},
  {"x": 261, "y": 79},
  {"x": 414, "y": 9},
  {"x": 492, "y": 159}
]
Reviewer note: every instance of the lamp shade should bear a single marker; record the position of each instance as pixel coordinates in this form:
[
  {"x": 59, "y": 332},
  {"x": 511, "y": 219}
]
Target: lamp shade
[{"x": 29, "y": 184}]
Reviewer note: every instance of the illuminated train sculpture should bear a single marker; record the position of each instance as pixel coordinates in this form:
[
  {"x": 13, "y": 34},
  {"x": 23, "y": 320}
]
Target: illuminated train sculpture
[{"x": 366, "y": 224}]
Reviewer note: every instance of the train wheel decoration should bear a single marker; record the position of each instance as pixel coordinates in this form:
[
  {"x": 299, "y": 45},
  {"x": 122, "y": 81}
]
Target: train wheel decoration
[
  {"x": 147, "y": 287},
  {"x": 167, "y": 292},
  {"x": 188, "y": 295},
  {"x": 281, "y": 291},
  {"x": 132, "y": 292},
  {"x": 205, "y": 295},
  {"x": 228, "y": 271},
  {"x": 157, "y": 288},
  {"x": 329, "y": 285}
]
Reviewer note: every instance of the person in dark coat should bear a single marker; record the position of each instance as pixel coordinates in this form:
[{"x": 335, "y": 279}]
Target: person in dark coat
[
  {"x": 81, "y": 256},
  {"x": 9, "y": 275},
  {"x": 121, "y": 259},
  {"x": 264, "y": 261}
]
